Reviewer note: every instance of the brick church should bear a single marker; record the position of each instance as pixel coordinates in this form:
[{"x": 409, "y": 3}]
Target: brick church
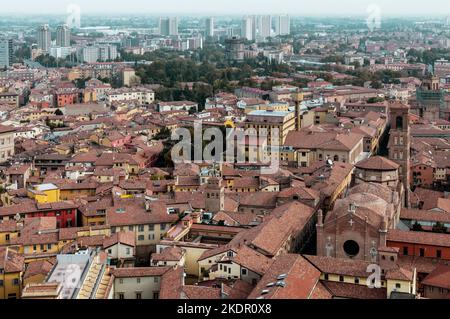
[{"x": 357, "y": 227}]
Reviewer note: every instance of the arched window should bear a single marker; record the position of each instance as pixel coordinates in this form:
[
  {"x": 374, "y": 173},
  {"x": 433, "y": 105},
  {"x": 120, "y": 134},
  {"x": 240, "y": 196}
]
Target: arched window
[
  {"x": 399, "y": 122},
  {"x": 336, "y": 158}
]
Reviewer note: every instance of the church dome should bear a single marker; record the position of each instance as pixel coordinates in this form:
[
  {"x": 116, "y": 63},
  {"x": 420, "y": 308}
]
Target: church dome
[{"x": 377, "y": 190}]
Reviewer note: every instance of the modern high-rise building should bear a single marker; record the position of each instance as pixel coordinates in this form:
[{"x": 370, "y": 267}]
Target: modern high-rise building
[
  {"x": 95, "y": 53},
  {"x": 63, "y": 36},
  {"x": 44, "y": 38},
  {"x": 89, "y": 54},
  {"x": 264, "y": 27},
  {"x": 282, "y": 25},
  {"x": 6, "y": 53},
  {"x": 168, "y": 26},
  {"x": 107, "y": 52},
  {"x": 235, "y": 49},
  {"x": 209, "y": 27},
  {"x": 248, "y": 28}
]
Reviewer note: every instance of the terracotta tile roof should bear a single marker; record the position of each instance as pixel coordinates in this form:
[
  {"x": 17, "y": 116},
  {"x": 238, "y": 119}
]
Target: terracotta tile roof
[
  {"x": 352, "y": 291},
  {"x": 427, "y": 196},
  {"x": 286, "y": 220},
  {"x": 72, "y": 232},
  {"x": 260, "y": 199},
  {"x": 84, "y": 242},
  {"x": 381, "y": 191},
  {"x": 90, "y": 157},
  {"x": 6, "y": 129},
  {"x": 237, "y": 289},
  {"x": 11, "y": 260},
  {"x": 18, "y": 170},
  {"x": 423, "y": 265},
  {"x": 321, "y": 292},
  {"x": 201, "y": 293},
  {"x": 252, "y": 260},
  {"x": 413, "y": 237},
  {"x": 126, "y": 212},
  {"x": 303, "y": 193},
  {"x": 378, "y": 163},
  {"x": 31, "y": 207},
  {"x": 440, "y": 277},
  {"x": 8, "y": 225},
  {"x": 124, "y": 238},
  {"x": 236, "y": 219},
  {"x": 323, "y": 140},
  {"x": 169, "y": 254},
  {"x": 300, "y": 279},
  {"x": 40, "y": 267},
  {"x": 339, "y": 266},
  {"x": 443, "y": 204},
  {"x": 424, "y": 215},
  {"x": 109, "y": 159},
  {"x": 400, "y": 273},
  {"x": 195, "y": 199},
  {"x": 224, "y": 229},
  {"x": 332, "y": 181},
  {"x": 38, "y": 230},
  {"x": 172, "y": 282}
]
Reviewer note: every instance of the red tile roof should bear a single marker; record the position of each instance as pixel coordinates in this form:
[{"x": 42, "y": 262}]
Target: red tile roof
[
  {"x": 301, "y": 277},
  {"x": 10, "y": 260},
  {"x": 352, "y": 291},
  {"x": 124, "y": 238},
  {"x": 378, "y": 163},
  {"x": 413, "y": 237},
  {"x": 440, "y": 277}
]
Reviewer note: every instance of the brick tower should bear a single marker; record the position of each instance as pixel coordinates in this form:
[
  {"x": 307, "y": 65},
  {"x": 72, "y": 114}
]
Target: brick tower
[{"x": 400, "y": 144}]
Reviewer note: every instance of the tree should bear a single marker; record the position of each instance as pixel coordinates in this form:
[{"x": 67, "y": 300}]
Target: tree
[
  {"x": 58, "y": 112},
  {"x": 375, "y": 100},
  {"x": 377, "y": 85},
  {"x": 163, "y": 134},
  {"x": 417, "y": 227},
  {"x": 439, "y": 228}
]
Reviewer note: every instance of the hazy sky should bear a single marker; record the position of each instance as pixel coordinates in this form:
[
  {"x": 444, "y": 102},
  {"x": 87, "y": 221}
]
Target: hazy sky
[{"x": 217, "y": 7}]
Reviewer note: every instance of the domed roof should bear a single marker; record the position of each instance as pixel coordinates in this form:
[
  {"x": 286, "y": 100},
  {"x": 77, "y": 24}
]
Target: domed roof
[
  {"x": 377, "y": 190},
  {"x": 378, "y": 163},
  {"x": 368, "y": 201}
]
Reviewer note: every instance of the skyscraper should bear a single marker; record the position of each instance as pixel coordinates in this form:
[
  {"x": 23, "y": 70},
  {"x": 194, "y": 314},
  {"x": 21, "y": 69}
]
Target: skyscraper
[
  {"x": 6, "y": 53},
  {"x": 168, "y": 26},
  {"x": 44, "y": 38},
  {"x": 248, "y": 28},
  {"x": 63, "y": 36},
  {"x": 282, "y": 25},
  {"x": 209, "y": 27},
  {"x": 264, "y": 27}
]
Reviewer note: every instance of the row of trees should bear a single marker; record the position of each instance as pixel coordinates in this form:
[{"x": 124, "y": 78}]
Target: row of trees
[
  {"x": 428, "y": 56},
  {"x": 437, "y": 228}
]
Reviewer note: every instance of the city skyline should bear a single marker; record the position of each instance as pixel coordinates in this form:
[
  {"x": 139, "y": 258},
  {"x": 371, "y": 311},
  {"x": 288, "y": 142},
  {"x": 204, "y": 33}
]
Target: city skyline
[{"x": 234, "y": 7}]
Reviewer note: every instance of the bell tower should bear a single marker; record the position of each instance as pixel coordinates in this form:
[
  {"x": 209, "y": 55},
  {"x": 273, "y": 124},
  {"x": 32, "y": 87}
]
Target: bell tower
[
  {"x": 400, "y": 144},
  {"x": 215, "y": 195}
]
